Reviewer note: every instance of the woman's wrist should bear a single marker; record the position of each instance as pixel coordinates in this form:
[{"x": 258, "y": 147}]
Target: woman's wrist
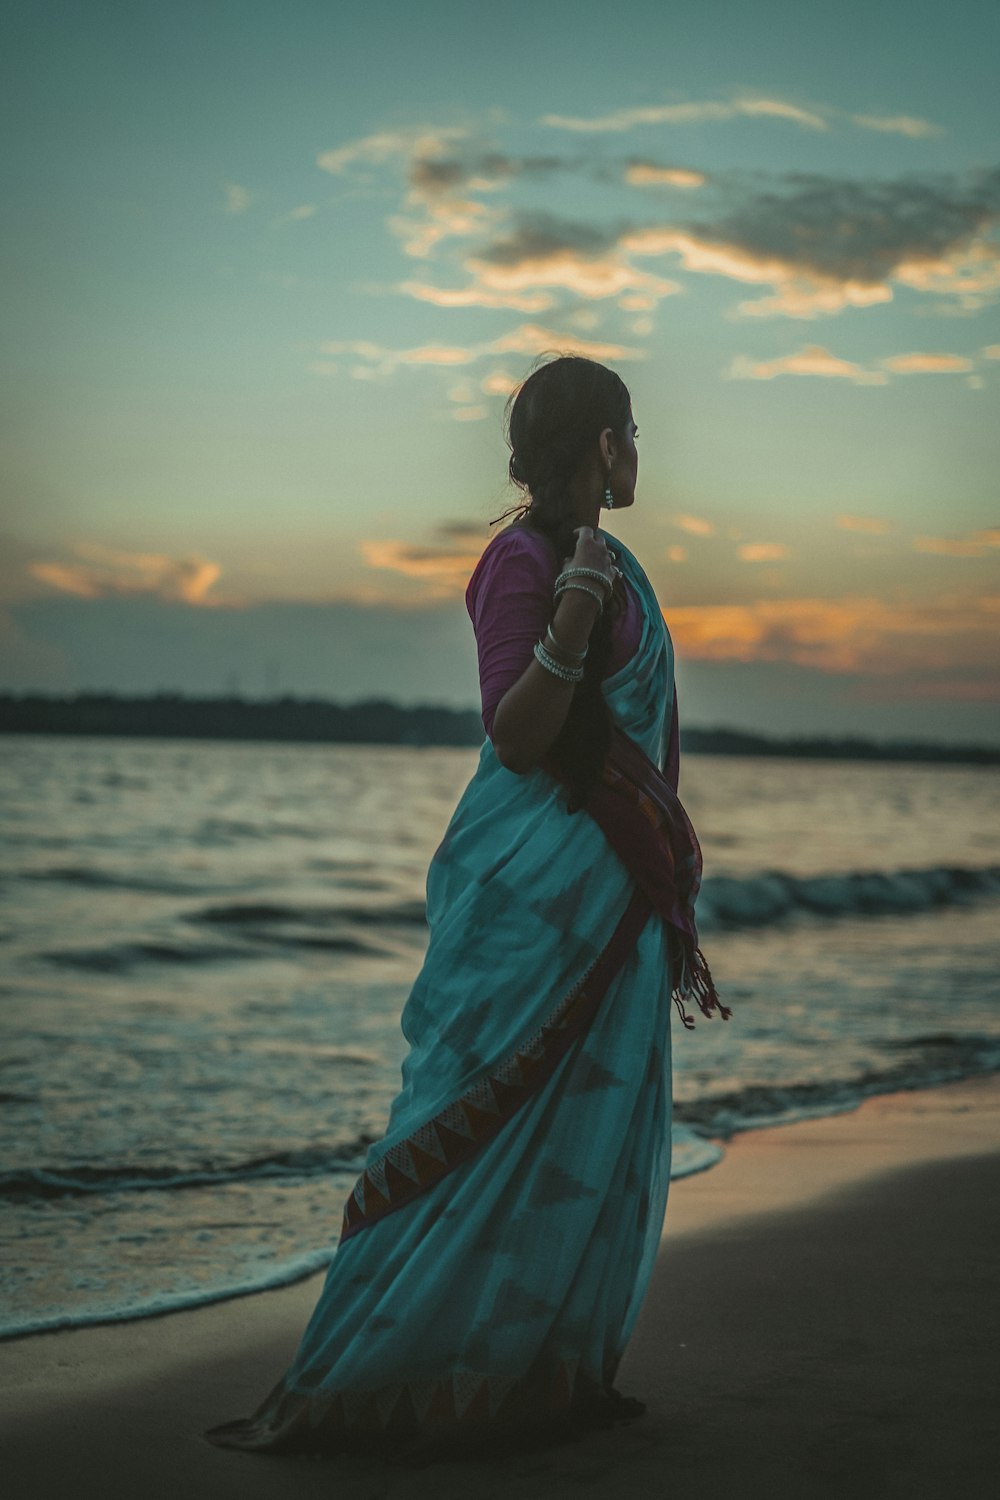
[{"x": 574, "y": 619}]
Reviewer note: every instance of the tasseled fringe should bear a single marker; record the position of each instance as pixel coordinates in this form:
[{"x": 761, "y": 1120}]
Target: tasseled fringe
[{"x": 695, "y": 979}]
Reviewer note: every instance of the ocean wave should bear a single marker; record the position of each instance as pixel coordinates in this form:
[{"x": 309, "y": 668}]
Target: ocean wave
[
  {"x": 757, "y": 900},
  {"x": 941, "y": 1057},
  {"x": 120, "y": 958},
  {"x": 260, "y": 913},
  {"x": 294, "y": 1268},
  {"x": 243, "y": 1272},
  {"x": 91, "y": 875},
  {"x": 81, "y": 1180}
]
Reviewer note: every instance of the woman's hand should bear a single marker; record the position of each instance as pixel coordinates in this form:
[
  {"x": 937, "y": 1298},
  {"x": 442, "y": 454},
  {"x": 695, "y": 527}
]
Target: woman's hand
[{"x": 592, "y": 552}]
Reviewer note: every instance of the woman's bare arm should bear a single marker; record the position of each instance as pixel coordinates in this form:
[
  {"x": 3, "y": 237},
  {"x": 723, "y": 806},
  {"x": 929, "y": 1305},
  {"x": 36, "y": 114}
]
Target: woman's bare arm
[{"x": 531, "y": 713}]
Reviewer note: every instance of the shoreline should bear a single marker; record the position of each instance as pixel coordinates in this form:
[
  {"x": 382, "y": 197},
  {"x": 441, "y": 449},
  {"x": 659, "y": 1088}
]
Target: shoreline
[{"x": 818, "y": 1323}]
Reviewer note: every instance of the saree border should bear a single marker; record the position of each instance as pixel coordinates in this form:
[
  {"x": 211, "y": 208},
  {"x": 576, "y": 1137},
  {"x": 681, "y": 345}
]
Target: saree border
[{"x": 456, "y": 1133}]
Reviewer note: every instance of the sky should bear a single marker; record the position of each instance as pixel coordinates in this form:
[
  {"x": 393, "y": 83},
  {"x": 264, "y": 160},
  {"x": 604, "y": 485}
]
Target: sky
[{"x": 274, "y": 269}]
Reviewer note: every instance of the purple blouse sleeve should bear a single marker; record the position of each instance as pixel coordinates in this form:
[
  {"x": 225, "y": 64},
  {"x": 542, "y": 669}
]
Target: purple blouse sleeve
[{"x": 509, "y": 600}]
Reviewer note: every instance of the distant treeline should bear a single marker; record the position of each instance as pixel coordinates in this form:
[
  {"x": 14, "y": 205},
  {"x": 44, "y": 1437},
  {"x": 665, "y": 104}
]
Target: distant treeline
[{"x": 380, "y": 722}]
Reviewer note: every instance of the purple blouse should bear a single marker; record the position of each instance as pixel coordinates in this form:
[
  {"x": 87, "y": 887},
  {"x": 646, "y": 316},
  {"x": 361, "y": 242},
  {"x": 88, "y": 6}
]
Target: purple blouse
[{"x": 509, "y": 599}]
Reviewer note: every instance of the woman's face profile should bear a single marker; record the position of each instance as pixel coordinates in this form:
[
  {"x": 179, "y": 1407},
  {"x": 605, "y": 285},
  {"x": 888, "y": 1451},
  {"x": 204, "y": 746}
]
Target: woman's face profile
[{"x": 626, "y": 467}]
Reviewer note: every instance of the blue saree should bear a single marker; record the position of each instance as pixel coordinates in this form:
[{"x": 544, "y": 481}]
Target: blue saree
[{"x": 497, "y": 1248}]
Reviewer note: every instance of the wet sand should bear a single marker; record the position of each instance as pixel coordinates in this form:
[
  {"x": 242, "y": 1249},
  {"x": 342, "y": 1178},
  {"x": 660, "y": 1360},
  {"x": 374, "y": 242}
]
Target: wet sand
[{"x": 822, "y": 1322}]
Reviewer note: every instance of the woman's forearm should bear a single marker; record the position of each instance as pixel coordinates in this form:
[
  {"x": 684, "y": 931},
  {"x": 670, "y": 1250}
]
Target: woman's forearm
[{"x": 531, "y": 713}]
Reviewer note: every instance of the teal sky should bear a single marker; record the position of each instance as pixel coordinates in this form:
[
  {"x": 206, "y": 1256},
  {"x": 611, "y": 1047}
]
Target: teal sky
[{"x": 272, "y": 271}]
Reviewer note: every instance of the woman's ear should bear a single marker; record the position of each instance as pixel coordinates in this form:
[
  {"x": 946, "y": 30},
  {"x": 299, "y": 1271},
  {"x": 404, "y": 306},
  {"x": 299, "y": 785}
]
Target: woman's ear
[{"x": 607, "y": 446}]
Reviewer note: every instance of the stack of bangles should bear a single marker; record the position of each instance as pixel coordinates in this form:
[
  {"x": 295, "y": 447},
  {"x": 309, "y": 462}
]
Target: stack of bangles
[{"x": 570, "y": 579}]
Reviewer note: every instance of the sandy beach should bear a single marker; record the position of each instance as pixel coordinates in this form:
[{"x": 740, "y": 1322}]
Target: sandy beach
[{"x": 822, "y": 1322}]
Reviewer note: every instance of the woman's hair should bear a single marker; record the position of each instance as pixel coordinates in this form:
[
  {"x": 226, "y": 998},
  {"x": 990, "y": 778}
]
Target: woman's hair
[{"x": 554, "y": 421}]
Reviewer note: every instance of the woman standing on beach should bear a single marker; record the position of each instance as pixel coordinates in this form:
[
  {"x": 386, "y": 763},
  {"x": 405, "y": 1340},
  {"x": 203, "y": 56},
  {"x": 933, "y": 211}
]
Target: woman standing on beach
[{"x": 497, "y": 1247}]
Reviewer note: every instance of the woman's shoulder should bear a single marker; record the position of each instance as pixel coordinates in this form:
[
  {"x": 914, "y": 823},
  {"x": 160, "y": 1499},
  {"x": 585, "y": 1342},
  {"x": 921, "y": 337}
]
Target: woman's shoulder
[
  {"x": 518, "y": 546},
  {"x": 518, "y": 557},
  {"x": 519, "y": 538}
]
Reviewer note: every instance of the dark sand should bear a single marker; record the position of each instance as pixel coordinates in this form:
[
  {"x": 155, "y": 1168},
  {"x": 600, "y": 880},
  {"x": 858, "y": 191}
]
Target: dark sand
[{"x": 822, "y": 1322}]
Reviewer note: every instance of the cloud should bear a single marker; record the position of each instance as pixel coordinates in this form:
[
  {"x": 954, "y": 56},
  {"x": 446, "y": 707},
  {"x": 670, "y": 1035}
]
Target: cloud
[
  {"x": 825, "y": 243},
  {"x": 926, "y": 364},
  {"x": 991, "y": 351},
  {"x": 872, "y": 525},
  {"x": 977, "y": 545},
  {"x": 476, "y": 296},
  {"x": 649, "y": 174},
  {"x": 695, "y": 525},
  {"x": 108, "y": 572},
  {"x": 444, "y": 570},
  {"x": 382, "y": 361},
  {"x": 532, "y": 340},
  {"x": 763, "y": 551},
  {"x": 677, "y": 554},
  {"x": 812, "y": 360},
  {"x": 499, "y": 383},
  {"x": 695, "y": 112},
  {"x": 442, "y": 219},
  {"x": 539, "y": 250},
  {"x": 843, "y": 635},
  {"x": 910, "y": 125},
  {"x": 297, "y": 215},
  {"x": 848, "y": 230},
  {"x": 384, "y": 145},
  {"x": 432, "y": 174},
  {"x": 528, "y": 338},
  {"x": 237, "y": 198}
]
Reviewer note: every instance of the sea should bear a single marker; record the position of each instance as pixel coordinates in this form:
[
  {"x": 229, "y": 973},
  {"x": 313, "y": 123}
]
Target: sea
[{"x": 208, "y": 946}]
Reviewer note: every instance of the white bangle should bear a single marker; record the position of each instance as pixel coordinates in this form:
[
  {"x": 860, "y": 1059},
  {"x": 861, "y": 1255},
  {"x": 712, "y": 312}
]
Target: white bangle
[
  {"x": 565, "y": 674},
  {"x": 586, "y": 573},
  {"x": 584, "y": 589},
  {"x": 577, "y": 655}
]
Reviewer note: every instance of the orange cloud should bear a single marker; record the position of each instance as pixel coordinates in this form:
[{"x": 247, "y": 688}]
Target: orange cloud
[
  {"x": 677, "y": 554},
  {"x": 870, "y": 524},
  {"x": 926, "y": 364},
  {"x": 528, "y": 338},
  {"x": 991, "y": 351},
  {"x": 909, "y": 125},
  {"x": 476, "y": 296},
  {"x": 647, "y": 174},
  {"x": 976, "y": 545},
  {"x": 800, "y": 294},
  {"x": 812, "y": 299},
  {"x": 763, "y": 551},
  {"x": 812, "y": 360},
  {"x": 694, "y": 524},
  {"x": 590, "y": 276},
  {"x": 444, "y": 570},
  {"x": 972, "y": 274},
  {"x": 499, "y": 383},
  {"x": 384, "y": 361},
  {"x": 839, "y": 635},
  {"x": 531, "y": 339},
  {"x": 110, "y": 572},
  {"x": 694, "y": 112}
]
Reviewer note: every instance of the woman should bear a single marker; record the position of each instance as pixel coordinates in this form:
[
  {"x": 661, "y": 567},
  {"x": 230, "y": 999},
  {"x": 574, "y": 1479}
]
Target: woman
[{"x": 497, "y": 1247}]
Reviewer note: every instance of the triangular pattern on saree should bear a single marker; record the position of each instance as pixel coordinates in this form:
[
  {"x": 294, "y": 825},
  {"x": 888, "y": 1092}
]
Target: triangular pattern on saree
[{"x": 466, "y": 1124}]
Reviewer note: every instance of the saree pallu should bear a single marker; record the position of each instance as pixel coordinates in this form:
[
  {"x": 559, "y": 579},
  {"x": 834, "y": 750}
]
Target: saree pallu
[{"x": 496, "y": 1251}]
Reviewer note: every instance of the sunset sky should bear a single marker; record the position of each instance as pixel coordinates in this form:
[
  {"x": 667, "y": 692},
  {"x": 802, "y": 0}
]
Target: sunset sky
[{"x": 272, "y": 270}]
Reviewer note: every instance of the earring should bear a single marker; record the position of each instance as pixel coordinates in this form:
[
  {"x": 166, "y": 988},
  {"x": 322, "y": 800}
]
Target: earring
[{"x": 609, "y": 499}]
